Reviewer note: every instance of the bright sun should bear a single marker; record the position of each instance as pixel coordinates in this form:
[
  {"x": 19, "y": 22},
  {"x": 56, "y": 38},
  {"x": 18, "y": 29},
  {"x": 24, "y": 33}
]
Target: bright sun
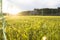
[
  {"x": 10, "y": 8},
  {"x": 13, "y": 10}
]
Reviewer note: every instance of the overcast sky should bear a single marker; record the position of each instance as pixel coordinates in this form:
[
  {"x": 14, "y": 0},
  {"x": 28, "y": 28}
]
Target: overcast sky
[{"x": 29, "y": 4}]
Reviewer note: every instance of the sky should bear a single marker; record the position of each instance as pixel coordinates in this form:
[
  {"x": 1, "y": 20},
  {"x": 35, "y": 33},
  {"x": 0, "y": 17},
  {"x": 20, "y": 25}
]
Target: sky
[{"x": 16, "y": 6}]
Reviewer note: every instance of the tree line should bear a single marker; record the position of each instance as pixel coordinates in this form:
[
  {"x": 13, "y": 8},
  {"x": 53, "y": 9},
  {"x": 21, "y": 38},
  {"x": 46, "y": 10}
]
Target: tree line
[{"x": 44, "y": 11}]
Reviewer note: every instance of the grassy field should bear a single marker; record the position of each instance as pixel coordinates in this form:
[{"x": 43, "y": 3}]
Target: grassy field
[{"x": 31, "y": 28}]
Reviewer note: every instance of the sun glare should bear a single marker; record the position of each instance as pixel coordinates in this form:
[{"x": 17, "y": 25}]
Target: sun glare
[
  {"x": 10, "y": 8},
  {"x": 13, "y": 10}
]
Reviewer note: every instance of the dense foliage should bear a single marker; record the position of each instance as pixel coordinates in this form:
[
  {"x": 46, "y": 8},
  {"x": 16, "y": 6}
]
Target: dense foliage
[{"x": 32, "y": 28}]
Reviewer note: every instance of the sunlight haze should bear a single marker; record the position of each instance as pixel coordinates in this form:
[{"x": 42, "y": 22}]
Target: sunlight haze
[
  {"x": 7, "y": 7},
  {"x": 16, "y": 6}
]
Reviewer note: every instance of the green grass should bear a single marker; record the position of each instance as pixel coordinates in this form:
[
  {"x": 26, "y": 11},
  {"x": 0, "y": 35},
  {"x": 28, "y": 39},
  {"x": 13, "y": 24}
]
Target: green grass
[{"x": 32, "y": 27}]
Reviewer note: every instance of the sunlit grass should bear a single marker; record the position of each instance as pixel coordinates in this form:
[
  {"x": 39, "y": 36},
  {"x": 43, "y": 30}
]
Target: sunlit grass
[{"x": 32, "y": 27}]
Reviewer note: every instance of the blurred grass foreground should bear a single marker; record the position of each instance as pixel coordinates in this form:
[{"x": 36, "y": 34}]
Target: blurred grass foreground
[{"x": 31, "y": 28}]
